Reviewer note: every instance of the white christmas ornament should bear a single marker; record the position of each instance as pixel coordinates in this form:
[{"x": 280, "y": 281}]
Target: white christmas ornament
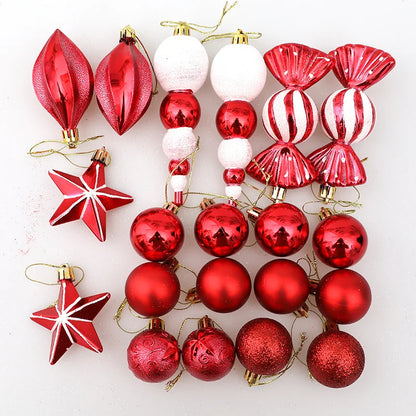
[
  {"x": 234, "y": 153},
  {"x": 179, "y": 143},
  {"x": 178, "y": 182},
  {"x": 233, "y": 191}
]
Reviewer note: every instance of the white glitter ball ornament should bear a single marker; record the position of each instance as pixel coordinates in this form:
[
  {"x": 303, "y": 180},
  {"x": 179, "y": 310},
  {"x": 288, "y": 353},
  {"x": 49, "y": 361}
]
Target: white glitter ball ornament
[
  {"x": 234, "y": 153},
  {"x": 179, "y": 143}
]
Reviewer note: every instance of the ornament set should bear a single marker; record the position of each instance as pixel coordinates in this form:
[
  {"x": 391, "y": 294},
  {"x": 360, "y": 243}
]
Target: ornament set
[{"x": 64, "y": 83}]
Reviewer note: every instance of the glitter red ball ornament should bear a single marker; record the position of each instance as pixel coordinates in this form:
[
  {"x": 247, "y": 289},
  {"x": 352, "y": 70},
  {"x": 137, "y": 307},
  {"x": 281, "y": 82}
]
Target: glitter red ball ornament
[
  {"x": 281, "y": 229},
  {"x": 221, "y": 230},
  {"x": 335, "y": 359},
  {"x": 343, "y": 296},
  {"x": 223, "y": 285},
  {"x": 340, "y": 241},
  {"x": 281, "y": 286},
  {"x": 157, "y": 234},
  {"x": 152, "y": 289},
  {"x": 153, "y": 355},
  {"x": 263, "y": 346},
  {"x": 208, "y": 353}
]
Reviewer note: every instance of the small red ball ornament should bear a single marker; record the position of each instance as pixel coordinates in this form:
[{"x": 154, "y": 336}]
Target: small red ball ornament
[
  {"x": 152, "y": 289},
  {"x": 281, "y": 286},
  {"x": 335, "y": 359},
  {"x": 223, "y": 285},
  {"x": 208, "y": 353},
  {"x": 153, "y": 355},
  {"x": 221, "y": 230},
  {"x": 343, "y": 296},
  {"x": 263, "y": 346},
  {"x": 340, "y": 241},
  {"x": 281, "y": 229},
  {"x": 157, "y": 234}
]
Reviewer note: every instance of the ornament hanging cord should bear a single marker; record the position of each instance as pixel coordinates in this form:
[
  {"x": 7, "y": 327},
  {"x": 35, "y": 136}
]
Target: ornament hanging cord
[
  {"x": 54, "y": 266},
  {"x": 117, "y": 317},
  {"x": 230, "y": 35}
]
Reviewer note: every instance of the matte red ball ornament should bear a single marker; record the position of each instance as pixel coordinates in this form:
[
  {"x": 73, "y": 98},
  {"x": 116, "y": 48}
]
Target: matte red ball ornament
[
  {"x": 223, "y": 285},
  {"x": 152, "y": 289},
  {"x": 221, "y": 230},
  {"x": 340, "y": 241},
  {"x": 157, "y": 234},
  {"x": 343, "y": 296},
  {"x": 263, "y": 346},
  {"x": 281, "y": 286},
  {"x": 208, "y": 353},
  {"x": 335, "y": 359},
  {"x": 281, "y": 229},
  {"x": 153, "y": 355}
]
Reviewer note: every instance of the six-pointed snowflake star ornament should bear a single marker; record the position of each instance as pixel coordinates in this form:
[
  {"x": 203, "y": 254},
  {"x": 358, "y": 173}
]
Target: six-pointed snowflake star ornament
[
  {"x": 70, "y": 320},
  {"x": 87, "y": 197}
]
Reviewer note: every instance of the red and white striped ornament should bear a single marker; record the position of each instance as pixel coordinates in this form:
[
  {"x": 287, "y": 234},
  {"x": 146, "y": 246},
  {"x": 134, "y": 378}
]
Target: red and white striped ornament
[
  {"x": 348, "y": 115},
  {"x": 181, "y": 66},
  {"x": 290, "y": 116},
  {"x": 238, "y": 75}
]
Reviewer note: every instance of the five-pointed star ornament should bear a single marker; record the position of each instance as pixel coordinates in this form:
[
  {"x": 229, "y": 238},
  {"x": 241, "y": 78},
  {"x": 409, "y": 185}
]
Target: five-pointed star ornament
[
  {"x": 87, "y": 197},
  {"x": 70, "y": 320}
]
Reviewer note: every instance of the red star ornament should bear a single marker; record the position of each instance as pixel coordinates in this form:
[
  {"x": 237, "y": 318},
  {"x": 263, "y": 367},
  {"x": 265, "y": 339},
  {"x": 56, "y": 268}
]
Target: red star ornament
[
  {"x": 87, "y": 197},
  {"x": 70, "y": 320}
]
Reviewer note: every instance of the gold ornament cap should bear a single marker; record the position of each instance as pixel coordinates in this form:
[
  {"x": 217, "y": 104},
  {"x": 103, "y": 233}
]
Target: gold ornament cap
[
  {"x": 330, "y": 326},
  {"x": 327, "y": 192},
  {"x": 252, "y": 378},
  {"x": 278, "y": 194},
  {"x": 181, "y": 28},
  {"x": 206, "y": 202},
  {"x": 71, "y": 137},
  {"x": 240, "y": 38},
  {"x": 102, "y": 156},
  {"x": 325, "y": 213},
  {"x": 127, "y": 34},
  {"x": 170, "y": 206},
  {"x": 66, "y": 272},
  {"x": 157, "y": 323},
  {"x": 254, "y": 213},
  {"x": 205, "y": 322}
]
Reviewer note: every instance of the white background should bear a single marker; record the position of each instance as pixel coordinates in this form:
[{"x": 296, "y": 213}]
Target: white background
[{"x": 86, "y": 383}]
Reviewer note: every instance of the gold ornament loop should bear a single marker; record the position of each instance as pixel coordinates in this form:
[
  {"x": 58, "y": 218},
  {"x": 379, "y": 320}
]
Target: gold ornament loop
[
  {"x": 64, "y": 272},
  {"x": 239, "y": 37},
  {"x": 119, "y": 312}
]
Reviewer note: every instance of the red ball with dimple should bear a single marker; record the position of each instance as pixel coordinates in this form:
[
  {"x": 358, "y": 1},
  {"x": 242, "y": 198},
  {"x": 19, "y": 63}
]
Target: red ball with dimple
[
  {"x": 335, "y": 359},
  {"x": 208, "y": 354},
  {"x": 221, "y": 230},
  {"x": 236, "y": 119},
  {"x": 281, "y": 229},
  {"x": 180, "y": 109},
  {"x": 340, "y": 241},
  {"x": 152, "y": 289},
  {"x": 343, "y": 296},
  {"x": 157, "y": 234},
  {"x": 223, "y": 285},
  {"x": 281, "y": 286},
  {"x": 153, "y": 355},
  {"x": 264, "y": 346}
]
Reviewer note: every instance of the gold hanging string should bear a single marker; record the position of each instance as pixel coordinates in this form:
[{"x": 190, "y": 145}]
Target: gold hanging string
[
  {"x": 54, "y": 266},
  {"x": 117, "y": 317},
  {"x": 201, "y": 28},
  {"x": 312, "y": 264},
  {"x": 216, "y": 324},
  {"x": 241, "y": 204},
  {"x": 171, "y": 383},
  {"x": 291, "y": 336},
  {"x": 183, "y": 324},
  {"x": 188, "y": 269},
  {"x": 230, "y": 35}
]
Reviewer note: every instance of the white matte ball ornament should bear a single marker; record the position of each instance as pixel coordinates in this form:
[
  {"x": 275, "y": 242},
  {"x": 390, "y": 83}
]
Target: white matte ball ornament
[
  {"x": 233, "y": 191},
  {"x": 234, "y": 153},
  {"x": 178, "y": 182},
  {"x": 238, "y": 72},
  {"x": 181, "y": 63},
  {"x": 179, "y": 143}
]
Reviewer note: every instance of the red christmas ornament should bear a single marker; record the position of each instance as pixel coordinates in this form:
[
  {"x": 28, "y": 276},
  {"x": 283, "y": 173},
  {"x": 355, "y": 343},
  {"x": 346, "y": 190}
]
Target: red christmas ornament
[
  {"x": 343, "y": 296},
  {"x": 281, "y": 229},
  {"x": 123, "y": 83},
  {"x": 264, "y": 347},
  {"x": 208, "y": 353},
  {"x": 221, "y": 230},
  {"x": 290, "y": 116},
  {"x": 70, "y": 320},
  {"x": 157, "y": 234},
  {"x": 153, "y": 355},
  {"x": 340, "y": 240},
  {"x": 281, "y": 286},
  {"x": 223, "y": 285},
  {"x": 335, "y": 359},
  {"x": 87, "y": 197},
  {"x": 152, "y": 289},
  {"x": 63, "y": 82}
]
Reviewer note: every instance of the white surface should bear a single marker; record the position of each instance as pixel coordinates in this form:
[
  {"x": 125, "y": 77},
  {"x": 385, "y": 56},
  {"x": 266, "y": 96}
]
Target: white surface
[{"x": 86, "y": 383}]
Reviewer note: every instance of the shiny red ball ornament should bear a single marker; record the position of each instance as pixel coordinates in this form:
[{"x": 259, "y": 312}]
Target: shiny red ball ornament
[
  {"x": 236, "y": 119},
  {"x": 281, "y": 229},
  {"x": 180, "y": 109},
  {"x": 152, "y": 289},
  {"x": 281, "y": 286},
  {"x": 343, "y": 296},
  {"x": 208, "y": 353},
  {"x": 157, "y": 234},
  {"x": 335, "y": 359},
  {"x": 63, "y": 80},
  {"x": 234, "y": 176},
  {"x": 123, "y": 84},
  {"x": 263, "y": 346},
  {"x": 179, "y": 167},
  {"x": 223, "y": 285},
  {"x": 153, "y": 355},
  {"x": 340, "y": 241}
]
